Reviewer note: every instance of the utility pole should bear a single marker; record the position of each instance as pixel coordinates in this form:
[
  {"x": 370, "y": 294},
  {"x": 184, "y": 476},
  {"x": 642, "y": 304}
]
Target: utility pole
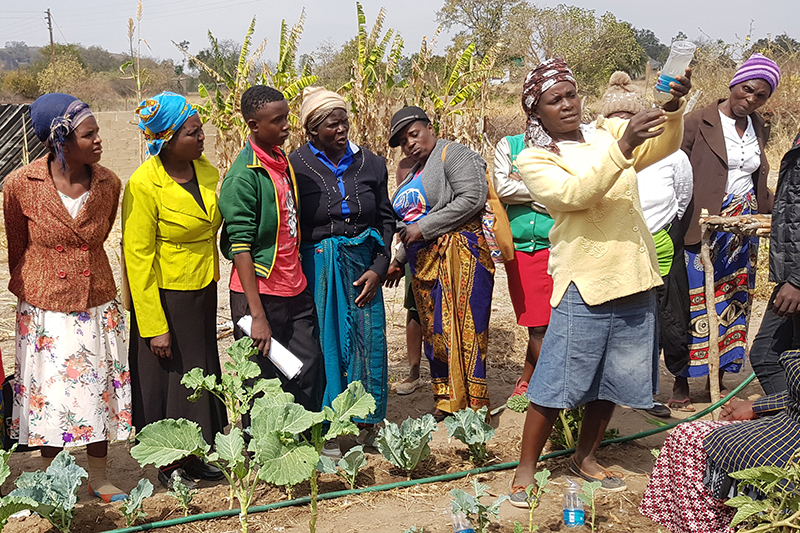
[{"x": 52, "y": 49}]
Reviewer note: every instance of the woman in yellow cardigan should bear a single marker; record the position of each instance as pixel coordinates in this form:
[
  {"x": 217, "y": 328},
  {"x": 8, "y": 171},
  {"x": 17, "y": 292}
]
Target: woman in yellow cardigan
[
  {"x": 170, "y": 220},
  {"x": 600, "y": 348}
]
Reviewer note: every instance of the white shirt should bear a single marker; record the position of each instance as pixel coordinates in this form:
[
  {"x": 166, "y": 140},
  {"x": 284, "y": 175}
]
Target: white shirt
[
  {"x": 74, "y": 205},
  {"x": 744, "y": 155},
  {"x": 665, "y": 190}
]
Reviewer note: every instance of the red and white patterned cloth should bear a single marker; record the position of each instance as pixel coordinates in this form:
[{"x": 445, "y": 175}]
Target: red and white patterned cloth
[{"x": 676, "y": 497}]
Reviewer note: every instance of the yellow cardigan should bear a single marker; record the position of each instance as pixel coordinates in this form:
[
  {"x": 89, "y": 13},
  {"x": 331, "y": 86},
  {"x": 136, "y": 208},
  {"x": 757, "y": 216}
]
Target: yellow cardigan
[
  {"x": 599, "y": 238},
  {"x": 169, "y": 242}
]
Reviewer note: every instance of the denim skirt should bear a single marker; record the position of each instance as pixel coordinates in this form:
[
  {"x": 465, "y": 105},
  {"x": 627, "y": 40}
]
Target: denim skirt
[{"x": 598, "y": 352}]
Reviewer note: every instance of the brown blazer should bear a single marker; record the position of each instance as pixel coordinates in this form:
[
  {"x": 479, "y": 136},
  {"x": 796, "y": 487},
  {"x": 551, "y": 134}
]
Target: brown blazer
[
  {"x": 56, "y": 262},
  {"x": 704, "y": 143}
]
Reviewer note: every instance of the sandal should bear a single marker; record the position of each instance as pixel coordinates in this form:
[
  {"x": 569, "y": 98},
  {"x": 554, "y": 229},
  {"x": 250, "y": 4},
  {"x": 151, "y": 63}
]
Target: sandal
[
  {"x": 609, "y": 479},
  {"x": 685, "y": 405},
  {"x": 518, "y": 497}
]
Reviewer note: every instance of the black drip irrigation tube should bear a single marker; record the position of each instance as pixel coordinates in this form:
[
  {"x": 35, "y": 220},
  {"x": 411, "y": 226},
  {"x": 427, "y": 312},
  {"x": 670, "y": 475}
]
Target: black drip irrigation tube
[{"x": 410, "y": 483}]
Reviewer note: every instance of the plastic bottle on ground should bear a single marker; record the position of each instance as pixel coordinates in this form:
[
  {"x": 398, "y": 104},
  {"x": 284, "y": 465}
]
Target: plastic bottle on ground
[{"x": 573, "y": 506}]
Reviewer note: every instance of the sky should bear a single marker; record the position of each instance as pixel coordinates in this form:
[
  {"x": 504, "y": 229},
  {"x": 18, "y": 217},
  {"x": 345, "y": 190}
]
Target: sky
[{"x": 104, "y": 22}]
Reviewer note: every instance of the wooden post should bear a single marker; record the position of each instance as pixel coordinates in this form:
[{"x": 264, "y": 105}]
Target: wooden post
[{"x": 711, "y": 310}]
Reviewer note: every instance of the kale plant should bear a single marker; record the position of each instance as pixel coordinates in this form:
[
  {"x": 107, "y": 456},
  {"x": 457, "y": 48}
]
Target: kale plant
[
  {"x": 178, "y": 490},
  {"x": 281, "y": 451},
  {"x": 348, "y": 465},
  {"x": 587, "y": 497},
  {"x": 131, "y": 508},
  {"x": 534, "y": 493},
  {"x": 54, "y": 492},
  {"x": 471, "y": 506},
  {"x": 406, "y": 445},
  {"x": 470, "y": 427},
  {"x": 11, "y": 504}
]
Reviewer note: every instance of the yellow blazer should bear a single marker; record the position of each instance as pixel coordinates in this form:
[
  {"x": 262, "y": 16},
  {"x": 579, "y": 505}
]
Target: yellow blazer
[{"x": 169, "y": 242}]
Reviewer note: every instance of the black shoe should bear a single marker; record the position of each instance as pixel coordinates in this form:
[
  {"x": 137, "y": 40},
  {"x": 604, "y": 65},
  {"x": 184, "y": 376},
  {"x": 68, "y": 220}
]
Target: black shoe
[
  {"x": 660, "y": 410},
  {"x": 198, "y": 469},
  {"x": 166, "y": 478}
]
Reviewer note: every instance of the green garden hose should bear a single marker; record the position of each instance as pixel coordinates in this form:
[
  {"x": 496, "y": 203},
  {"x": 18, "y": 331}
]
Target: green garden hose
[{"x": 410, "y": 483}]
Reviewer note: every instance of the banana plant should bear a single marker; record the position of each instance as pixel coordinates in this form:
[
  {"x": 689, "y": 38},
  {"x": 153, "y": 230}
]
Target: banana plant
[{"x": 222, "y": 102}]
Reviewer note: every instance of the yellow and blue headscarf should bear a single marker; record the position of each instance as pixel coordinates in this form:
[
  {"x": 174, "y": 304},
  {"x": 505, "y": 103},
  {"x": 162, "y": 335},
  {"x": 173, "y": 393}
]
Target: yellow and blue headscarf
[{"x": 161, "y": 116}]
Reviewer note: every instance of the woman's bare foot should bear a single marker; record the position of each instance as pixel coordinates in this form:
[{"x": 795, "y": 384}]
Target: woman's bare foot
[{"x": 680, "y": 396}]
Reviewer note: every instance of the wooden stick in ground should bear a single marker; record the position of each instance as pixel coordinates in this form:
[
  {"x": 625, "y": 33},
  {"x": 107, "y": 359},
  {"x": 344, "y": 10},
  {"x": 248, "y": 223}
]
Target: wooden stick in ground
[{"x": 711, "y": 311}]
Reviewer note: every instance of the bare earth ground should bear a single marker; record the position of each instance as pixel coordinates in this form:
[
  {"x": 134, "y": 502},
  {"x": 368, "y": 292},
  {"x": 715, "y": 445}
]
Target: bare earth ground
[{"x": 393, "y": 511}]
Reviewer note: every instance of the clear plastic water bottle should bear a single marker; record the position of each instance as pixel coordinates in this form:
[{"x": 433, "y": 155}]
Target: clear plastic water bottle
[
  {"x": 680, "y": 55},
  {"x": 573, "y": 506},
  {"x": 461, "y": 524}
]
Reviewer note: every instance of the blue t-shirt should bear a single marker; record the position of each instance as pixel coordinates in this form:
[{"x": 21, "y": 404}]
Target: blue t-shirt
[{"x": 410, "y": 202}]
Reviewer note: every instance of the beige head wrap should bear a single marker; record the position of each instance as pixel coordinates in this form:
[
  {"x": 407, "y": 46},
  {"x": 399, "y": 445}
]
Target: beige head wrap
[
  {"x": 318, "y": 103},
  {"x": 621, "y": 95}
]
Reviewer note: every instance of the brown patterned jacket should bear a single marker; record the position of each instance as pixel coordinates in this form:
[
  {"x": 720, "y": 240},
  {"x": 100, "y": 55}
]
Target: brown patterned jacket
[{"x": 56, "y": 262}]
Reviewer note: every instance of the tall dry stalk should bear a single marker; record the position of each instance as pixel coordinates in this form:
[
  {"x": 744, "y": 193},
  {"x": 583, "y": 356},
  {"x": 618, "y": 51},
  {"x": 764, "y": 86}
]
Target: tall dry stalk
[{"x": 133, "y": 67}]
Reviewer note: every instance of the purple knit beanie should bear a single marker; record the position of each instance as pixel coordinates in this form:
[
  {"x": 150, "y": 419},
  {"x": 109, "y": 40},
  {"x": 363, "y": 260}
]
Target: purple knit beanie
[{"x": 758, "y": 67}]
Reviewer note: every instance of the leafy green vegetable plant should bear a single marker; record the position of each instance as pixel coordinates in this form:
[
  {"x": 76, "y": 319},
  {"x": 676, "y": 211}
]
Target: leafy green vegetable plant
[
  {"x": 348, "y": 465},
  {"x": 471, "y": 506},
  {"x": 534, "y": 493},
  {"x": 406, "y": 445},
  {"x": 281, "y": 450},
  {"x": 54, "y": 492},
  {"x": 518, "y": 403},
  {"x": 131, "y": 508},
  {"x": 587, "y": 497},
  {"x": 183, "y": 494},
  {"x": 470, "y": 427},
  {"x": 415, "y": 529},
  {"x": 779, "y": 510},
  {"x": 11, "y": 504}
]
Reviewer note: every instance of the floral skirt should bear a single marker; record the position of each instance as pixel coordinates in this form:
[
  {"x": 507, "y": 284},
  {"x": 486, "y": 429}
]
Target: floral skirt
[{"x": 73, "y": 383}]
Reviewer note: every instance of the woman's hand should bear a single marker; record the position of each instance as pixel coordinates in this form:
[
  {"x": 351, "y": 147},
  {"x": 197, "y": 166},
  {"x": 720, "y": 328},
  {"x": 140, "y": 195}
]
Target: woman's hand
[
  {"x": 737, "y": 410},
  {"x": 410, "y": 233},
  {"x": 394, "y": 275},
  {"x": 787, "y": 301},
  {"x": 261, "y": 334},
  {"x": 371, "y": 281},
  {"x": 642, "y": 126},
  {"x": 679, "y": 88},
  {"x": 161, "y": 346}
]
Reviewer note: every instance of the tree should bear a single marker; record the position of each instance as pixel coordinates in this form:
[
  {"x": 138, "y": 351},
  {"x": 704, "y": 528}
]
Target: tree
[
  {"x": 593, "y": 46},
  {"x": 653, "y": 47},
  {"x": 14, "y": 54},
  {"x": 98, "y": 59},
  {"x": 782, "y": 45},
  {"x": 485, "y": 21},
  {"x": 221, "y": 56}
]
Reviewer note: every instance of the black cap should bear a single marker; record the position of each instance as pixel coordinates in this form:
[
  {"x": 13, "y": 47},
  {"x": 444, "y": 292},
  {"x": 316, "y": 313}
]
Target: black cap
[{"x": 403, "y": 118}]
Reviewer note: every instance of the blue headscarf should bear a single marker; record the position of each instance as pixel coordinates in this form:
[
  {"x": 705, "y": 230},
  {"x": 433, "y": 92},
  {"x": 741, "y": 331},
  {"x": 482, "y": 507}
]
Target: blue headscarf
[
  {"x": 54, "y": 116},
  {"x": 160, "y": 117}
]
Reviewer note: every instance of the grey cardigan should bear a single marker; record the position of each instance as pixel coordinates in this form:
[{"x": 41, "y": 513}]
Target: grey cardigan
[{"x": 456, "y": 190}]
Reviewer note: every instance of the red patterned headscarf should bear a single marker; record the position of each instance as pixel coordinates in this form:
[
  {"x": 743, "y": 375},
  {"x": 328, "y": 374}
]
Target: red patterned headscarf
[{"x": 538, "y": 81}]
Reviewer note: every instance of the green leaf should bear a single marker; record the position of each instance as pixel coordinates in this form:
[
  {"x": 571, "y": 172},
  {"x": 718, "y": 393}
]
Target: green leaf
[
  {"x": 352, "y": 461},
  {"x": 55, "y": 490},
  {"x": 406, "y": 445},
  {"x": 739, "y": 501},
  {"x": 759, "y": 473},
  {"x": 326, "y": 465},
  {"x": 518, "y": 403},
  {"x": 131, "y": 508},
  {"x": 202, "y": 91},
  {"x": 469, "y": 427},
  {"x": 5, "y": 470},
  {"x": 463, "y": 502},
  {"x": 748, "y": 510},
  {"x": 283, "y": 462},
  {"x": 353, "y": 402},
  {"x": 14, "y": 504},
  {"x": 167, "y": 441},
  {"x": 542, "y": 478},
  {"x": 518, "y": 528},
  {"x": 230, "y": 447}
]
